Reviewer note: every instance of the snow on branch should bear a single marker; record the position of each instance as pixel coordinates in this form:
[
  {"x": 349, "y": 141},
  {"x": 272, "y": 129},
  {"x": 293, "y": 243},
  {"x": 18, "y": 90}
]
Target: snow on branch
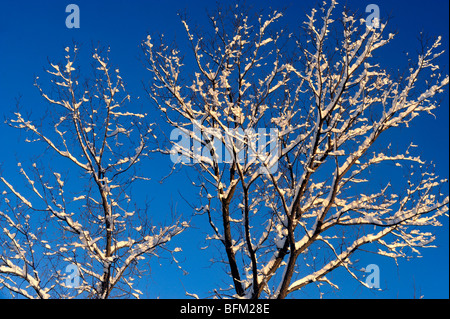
[
  {"x": 328, "y": 104},
  {"x": 87, "y": 225}
]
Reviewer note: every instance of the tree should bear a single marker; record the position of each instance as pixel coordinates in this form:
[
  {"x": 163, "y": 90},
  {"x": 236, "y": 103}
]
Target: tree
[
  {"x": 288, "y": 205},
  {"x": 86, "y": 218}
]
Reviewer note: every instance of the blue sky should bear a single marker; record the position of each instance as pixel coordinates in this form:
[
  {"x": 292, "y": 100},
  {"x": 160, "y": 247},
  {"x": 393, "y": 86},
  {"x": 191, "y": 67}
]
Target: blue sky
[{"x": 32, "y": 32}]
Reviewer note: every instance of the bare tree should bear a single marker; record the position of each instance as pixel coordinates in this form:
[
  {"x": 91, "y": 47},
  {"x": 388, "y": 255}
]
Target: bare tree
[
  {"x": 284, "y": 144},
  {"x": 84, "y": 219}
]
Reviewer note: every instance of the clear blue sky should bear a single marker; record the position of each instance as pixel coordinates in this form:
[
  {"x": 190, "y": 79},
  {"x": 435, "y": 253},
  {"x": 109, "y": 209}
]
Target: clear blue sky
[{"x": 31, "y": 32}]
